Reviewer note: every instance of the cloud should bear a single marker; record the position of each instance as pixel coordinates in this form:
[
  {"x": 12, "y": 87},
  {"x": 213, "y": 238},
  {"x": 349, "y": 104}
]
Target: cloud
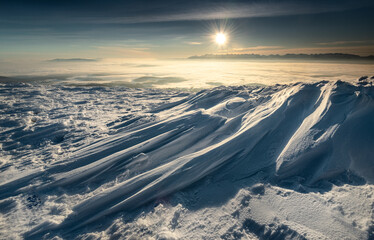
[
  {"x": 215, "y": 84},
  {"x": 246, "y": 49},
  {"x": 211, "y": 10},
  {"x": 73, "y": 60},
  {"x": 36, "y": 78},
  {"x": 194, "y": 43},
  {"x": 243, "y": 11},
  {"x": 342, "y": 43},
  {"x": 125, "y": 52},
  {"x": 359, "y": 50},
  {"x": 166, "y": 10},
  {"x": 146, "y": 65},
  {"x": 149, "y": 81}
]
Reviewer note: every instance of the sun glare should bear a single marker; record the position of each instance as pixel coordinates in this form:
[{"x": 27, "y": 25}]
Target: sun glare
[{"x": 220, "y": 38}]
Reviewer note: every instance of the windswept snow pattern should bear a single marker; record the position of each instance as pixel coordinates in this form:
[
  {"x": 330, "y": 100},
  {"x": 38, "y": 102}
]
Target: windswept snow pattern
[{"x": 249, "y": 162}]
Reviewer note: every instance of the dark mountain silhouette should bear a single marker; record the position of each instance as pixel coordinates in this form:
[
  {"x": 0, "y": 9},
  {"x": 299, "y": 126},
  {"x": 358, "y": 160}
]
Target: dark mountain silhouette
[{"x": 323, "y": 57}]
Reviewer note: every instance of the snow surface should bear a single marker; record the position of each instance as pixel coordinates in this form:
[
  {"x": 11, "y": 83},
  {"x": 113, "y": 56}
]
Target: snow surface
[{"x": 247, "y": 162}]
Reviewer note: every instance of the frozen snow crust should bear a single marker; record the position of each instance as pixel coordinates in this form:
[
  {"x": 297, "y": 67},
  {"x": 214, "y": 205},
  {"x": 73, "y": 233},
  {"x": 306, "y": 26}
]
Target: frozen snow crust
[{"x": 278, "y": 162}]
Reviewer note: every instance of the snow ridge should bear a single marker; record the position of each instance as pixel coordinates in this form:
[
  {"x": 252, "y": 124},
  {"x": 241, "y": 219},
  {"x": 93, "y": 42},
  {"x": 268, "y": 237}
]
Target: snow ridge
[{"x": 310, "y": 132}]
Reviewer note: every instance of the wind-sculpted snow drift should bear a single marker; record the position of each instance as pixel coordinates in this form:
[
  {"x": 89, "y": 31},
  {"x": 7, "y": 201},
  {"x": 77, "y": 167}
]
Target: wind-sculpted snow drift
[{"x": 295, "y": 136}]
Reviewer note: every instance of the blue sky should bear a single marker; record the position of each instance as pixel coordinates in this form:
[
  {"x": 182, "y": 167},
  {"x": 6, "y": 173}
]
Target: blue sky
[{"x": 178, "y": 29}]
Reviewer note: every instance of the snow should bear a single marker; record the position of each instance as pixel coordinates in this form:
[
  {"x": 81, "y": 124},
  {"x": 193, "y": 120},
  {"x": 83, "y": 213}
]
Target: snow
[{"x": 244, "y": 162}]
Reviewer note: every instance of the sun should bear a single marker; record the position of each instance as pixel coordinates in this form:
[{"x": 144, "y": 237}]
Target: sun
[{"x": 220, "y": 38}]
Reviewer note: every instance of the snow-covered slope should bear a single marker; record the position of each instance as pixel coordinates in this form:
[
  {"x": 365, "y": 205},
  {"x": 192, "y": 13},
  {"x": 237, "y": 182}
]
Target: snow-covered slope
[{"x": 286, "y": 161}]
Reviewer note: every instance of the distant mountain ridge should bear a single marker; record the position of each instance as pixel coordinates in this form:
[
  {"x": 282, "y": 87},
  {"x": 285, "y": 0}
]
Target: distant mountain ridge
[{"x": 322, "y": 56}]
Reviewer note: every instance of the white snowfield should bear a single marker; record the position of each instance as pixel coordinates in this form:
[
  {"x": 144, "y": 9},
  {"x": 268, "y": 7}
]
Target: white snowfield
[{"x": 278, "y": 162}]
